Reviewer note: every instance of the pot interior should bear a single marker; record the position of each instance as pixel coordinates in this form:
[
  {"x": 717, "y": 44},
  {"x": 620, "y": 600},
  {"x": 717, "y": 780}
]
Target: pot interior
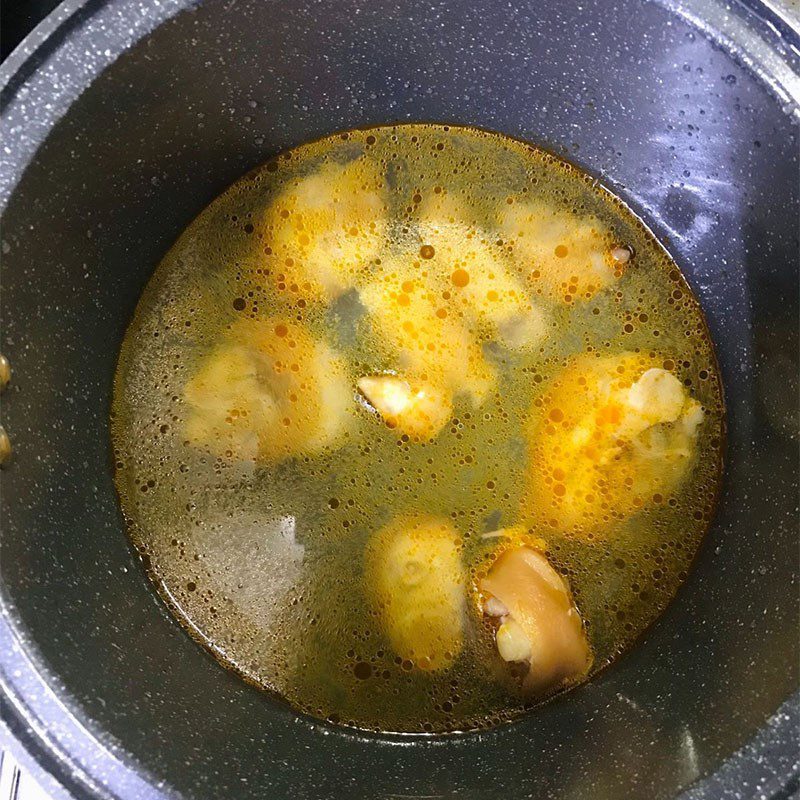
[{"x": 694, "y": 140}]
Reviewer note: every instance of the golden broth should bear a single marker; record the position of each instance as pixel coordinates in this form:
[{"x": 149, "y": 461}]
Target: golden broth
[{"x": 415, "y": 328}]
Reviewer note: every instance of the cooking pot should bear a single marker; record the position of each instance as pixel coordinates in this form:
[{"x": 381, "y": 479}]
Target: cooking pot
[{"x": 124, "y": 118}]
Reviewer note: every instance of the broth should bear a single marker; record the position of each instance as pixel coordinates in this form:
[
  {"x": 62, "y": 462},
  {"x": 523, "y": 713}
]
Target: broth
[{"x": 379, "y": 362}]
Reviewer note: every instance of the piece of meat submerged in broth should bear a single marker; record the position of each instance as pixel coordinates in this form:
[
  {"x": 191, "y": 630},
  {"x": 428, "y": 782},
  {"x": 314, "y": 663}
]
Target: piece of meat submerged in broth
[
  {"x": 430, "y": 344},
  {"x": 563, "y": 255},
  {"x": 611, "y": 434},
  {"x": 419, "y": 411},
  {"x": 267, "y": 391},
  {"x": 323, "y": 230},
  {"x": 539, "y": 626},
  {"x": 472, "y": 274},
  {"x": 418, "y": 586}
]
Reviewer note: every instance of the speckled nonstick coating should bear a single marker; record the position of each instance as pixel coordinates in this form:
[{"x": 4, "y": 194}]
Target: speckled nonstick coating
[{"x": 124, "y": 119}]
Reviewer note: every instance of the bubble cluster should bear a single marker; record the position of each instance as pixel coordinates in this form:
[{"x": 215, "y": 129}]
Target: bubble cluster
[{"x": 371, "y": 367}]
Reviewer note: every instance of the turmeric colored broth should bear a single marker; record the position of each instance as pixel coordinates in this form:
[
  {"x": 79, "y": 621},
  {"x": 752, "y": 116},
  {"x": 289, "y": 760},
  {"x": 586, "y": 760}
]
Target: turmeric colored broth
[{"x": 392, "y": 342}]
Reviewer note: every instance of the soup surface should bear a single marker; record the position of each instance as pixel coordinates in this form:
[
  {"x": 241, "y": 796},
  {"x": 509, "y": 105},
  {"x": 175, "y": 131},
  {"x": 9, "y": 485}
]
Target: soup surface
[{"x": 417, "y": 426}]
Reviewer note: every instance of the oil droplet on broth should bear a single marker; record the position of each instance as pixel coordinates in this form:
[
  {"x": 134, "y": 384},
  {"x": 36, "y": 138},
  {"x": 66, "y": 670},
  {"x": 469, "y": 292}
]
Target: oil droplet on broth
[{"x": 375, "y": 366}]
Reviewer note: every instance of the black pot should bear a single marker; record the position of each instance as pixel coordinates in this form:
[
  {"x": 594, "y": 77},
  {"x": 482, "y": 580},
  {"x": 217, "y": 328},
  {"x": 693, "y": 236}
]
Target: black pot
[{"x": 124, "y": 119}]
